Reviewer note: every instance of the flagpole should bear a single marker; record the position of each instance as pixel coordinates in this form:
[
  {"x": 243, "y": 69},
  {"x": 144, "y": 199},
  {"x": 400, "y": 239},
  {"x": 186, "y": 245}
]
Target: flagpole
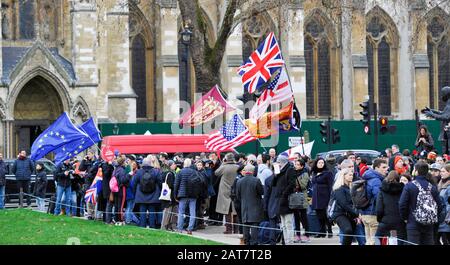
[{"x": 300, "y": 129}]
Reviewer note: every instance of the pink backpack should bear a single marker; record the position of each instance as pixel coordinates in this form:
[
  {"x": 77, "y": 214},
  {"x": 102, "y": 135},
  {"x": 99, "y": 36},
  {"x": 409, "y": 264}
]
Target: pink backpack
[{"x": 113, "y": 185}]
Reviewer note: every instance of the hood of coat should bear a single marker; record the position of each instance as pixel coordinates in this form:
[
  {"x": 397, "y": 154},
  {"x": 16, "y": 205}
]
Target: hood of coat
[
  {"x": 392, "y": 187},
  {"x": 262, "y": 167},
  {"x": 371, "y": 174}
]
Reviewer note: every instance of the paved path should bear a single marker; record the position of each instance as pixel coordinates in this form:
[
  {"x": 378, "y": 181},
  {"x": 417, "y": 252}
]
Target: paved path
[{"x": 215, "y": 233}]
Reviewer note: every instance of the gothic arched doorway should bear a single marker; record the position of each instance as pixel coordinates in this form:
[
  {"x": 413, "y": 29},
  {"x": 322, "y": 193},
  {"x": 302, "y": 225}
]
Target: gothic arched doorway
[{"x": 36, "y": 107}]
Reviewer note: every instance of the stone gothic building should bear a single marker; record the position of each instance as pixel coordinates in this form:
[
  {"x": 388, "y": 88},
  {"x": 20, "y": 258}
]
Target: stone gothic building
[{"x": 123, "y": 61}]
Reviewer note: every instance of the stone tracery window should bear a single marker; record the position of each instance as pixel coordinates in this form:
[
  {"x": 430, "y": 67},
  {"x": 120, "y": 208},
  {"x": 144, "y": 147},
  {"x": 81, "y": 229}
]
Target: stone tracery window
[
  {"x": 380, "y": 41},
  {"x": 29, "y": 19},
  {"x": 439, "y": 57},
  {"x": 317, "y": 58}
]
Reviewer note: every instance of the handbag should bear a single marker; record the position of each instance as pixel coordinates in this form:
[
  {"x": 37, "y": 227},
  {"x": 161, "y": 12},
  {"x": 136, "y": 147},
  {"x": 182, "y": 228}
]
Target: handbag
[
  {"x": 165, "y": 191},
  {"x": 297, "y": 199}
]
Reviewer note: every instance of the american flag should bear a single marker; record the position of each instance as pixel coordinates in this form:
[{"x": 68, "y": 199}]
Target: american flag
[
  {"x": 95, "y": 188},
  {"x": 233, "y": 134},
  {"x": 278, "y": 91},
  {"x": 261, "y": 64}
]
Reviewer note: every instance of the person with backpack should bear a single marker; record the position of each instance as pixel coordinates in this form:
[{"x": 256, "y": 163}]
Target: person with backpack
[
  {"x": 388, "y": 214},
  {"x": 147, "y": 190},
  {"x": 249, "y": 191},
  {"x": 116, "y": 195},
  {"x": 185, "y": 194},
  {"x": 341, "y": 209},
  {"x": 364, "y": 196},
  {"x": 322, "y": 183},
  {"x": 40, "y": 186},
  {"x": 420, "y": 207},
  {"x": 130, "y": 217}
]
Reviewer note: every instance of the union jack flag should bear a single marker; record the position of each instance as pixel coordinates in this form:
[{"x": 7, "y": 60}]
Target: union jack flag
[
  {"x": 95, "y": 188},
  {"x": 261, "y": 64}
]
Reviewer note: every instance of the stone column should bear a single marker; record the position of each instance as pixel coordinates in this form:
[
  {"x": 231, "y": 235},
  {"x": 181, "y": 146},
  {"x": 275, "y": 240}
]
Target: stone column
[
  {"x": 121, "y": 97},
  {"x": 84, "y": 52},
  {"x": 84, "y": 38},
  {"x": 233, "y": 84},
  {"x": 296, "y": 65},
  {"x": 420, "y": 60},
  {"x": 360, "y": 87},
  {"x": 169, "y": 60},
  {"x": 347, "y": 64},
  {"x": 405, "y": 99}
]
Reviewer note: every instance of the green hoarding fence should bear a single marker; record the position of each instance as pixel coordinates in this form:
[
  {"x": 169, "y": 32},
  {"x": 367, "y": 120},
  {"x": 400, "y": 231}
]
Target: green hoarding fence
[{"x": 351, "y": 132}]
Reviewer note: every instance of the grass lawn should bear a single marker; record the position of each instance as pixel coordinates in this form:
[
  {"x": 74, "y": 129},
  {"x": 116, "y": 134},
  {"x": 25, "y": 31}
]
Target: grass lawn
[{"x": 26, "y": 227}]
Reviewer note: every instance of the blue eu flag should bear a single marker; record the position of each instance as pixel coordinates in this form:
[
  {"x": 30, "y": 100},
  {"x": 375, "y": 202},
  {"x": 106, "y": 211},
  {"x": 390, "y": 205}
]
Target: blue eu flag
[
  {"x": 62, "y": 131},
  {"x": 73, "y": 148}
]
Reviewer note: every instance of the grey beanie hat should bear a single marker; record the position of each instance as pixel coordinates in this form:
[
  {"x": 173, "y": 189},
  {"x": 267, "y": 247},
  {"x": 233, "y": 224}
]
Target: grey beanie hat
[{"x": 283, "y": 160}]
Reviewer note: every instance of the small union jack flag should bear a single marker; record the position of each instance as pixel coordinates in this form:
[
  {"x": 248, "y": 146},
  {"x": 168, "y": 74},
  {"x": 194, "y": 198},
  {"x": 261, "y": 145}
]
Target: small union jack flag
[{"x": 261, "y": 64}]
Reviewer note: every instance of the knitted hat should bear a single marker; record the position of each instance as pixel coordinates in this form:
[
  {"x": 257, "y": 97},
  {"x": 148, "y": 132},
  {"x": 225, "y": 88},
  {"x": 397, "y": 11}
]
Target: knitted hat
[
  {"x": 283, "y": 160},
  {"x": 396, "y": 159}
]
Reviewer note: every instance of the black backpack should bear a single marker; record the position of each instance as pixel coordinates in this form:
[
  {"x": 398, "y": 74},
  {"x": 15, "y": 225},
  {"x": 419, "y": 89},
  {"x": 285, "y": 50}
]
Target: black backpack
[
  {"x": 148, "y": 182},
  {"x": 195, "y": 185},
  {"x": 359, "y": 194}
]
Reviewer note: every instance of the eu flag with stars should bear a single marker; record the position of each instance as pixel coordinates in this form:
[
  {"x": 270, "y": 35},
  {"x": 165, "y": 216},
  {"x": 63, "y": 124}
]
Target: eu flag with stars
[
  {"x": 62, "y": 131},
  {"x": 73, "y": 148}
]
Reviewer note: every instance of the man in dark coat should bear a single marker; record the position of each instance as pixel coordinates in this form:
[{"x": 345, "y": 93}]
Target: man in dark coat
[
  {"x": 285, "y": 185},
  {"x": 3, "y": 171},
  {"x": 271, "y": 206},
  {"x": 249, "y": 191},
  {"x": 148, "y": 201},
  {"x": 23, "y": 168},
  {"x": 418, "y": 233},
  {"x": 182, "y": 194}
]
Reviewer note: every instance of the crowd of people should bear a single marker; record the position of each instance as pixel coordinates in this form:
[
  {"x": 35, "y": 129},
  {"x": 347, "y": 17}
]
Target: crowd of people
[{"x": 404, "y": 196}]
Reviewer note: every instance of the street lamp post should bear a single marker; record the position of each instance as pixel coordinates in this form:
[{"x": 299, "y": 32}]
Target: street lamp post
[{"x": 186, "y": 41}]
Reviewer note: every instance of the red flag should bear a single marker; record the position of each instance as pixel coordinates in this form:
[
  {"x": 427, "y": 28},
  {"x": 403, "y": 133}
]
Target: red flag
[{"x": 211, "y": 105}]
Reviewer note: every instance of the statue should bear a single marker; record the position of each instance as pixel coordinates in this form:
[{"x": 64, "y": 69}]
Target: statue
[
  {"x": 5, "y": 22},
  {"x": 443, "y": 116}
]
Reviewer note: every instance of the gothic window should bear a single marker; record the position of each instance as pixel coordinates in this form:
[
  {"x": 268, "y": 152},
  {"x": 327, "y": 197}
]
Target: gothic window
[
  {"x": 317, "y": 59},
  {"x": 138, "y": 75},
  {"x": 439, "y": 58},
  {"x": 26, "y": 19},
  {"x": 378, "y": 50},
  {"x": 142, "y": 63}
]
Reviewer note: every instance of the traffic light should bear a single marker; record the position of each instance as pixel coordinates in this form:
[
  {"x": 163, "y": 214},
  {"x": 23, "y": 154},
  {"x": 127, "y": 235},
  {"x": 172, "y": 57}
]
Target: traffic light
[
  {"x": 366, "y": 116},
  {"x": 384, "y": 128},
  {"x": 324, "y": 131},
  {"x": 335, "y": 137}
]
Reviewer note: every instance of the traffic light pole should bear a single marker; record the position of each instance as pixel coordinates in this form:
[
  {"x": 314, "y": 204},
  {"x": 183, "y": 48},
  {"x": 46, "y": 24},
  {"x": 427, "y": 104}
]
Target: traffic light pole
[
  {"x": 330, "y": 137},
  {"x": 375, "y": 124}
]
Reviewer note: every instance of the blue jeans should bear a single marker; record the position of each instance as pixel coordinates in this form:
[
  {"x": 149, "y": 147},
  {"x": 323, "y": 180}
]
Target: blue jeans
[
  {"x": 359, "y": 231},
  {"x": 153, "y": 216},
  {"x": 60, "y": 191},
  {"x": 2, "y": 197},
  {"x": 129, "y": 215},
  {"x": 74, "y": 203},
  {"x": 181, "y": 209}
]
